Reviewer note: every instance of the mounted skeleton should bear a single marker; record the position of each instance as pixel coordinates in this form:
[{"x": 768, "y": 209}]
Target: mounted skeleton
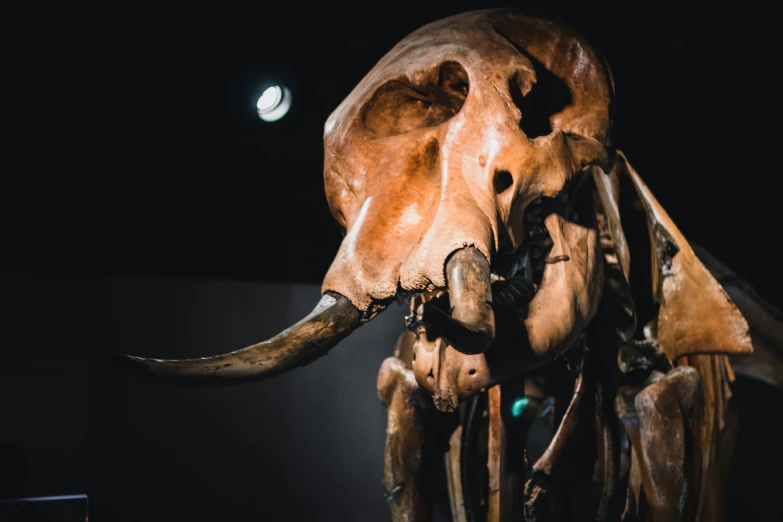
[{"x": 474, "y": 174}]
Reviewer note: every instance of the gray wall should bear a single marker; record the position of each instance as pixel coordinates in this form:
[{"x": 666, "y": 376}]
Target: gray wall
[{"x": 305, "y": 446}]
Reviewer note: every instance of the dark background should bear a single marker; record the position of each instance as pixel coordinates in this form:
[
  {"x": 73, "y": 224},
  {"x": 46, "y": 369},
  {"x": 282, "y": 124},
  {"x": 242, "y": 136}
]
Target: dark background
[
  {"x": 146, "y": 209},
  {"x": 133, "y": 146},
  {"x": 306, "y": 446}
]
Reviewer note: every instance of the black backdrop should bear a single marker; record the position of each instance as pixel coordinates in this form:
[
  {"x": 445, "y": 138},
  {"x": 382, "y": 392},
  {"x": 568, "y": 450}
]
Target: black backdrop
[
  {"x": 133, "y": 158},
  {"x": 134, "y": 147}
]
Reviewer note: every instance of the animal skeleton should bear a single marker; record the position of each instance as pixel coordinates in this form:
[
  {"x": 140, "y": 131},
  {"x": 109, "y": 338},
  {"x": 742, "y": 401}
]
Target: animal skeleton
[{"x": 474, "y": 173}]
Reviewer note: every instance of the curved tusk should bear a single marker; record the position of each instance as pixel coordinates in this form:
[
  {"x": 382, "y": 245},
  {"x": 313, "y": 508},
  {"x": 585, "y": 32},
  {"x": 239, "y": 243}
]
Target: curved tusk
[
  {"x": 470, "y": 328},
  {"x": 330, "y": 321}
]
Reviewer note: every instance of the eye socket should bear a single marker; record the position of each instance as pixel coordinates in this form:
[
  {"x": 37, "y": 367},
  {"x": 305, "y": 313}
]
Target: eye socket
[
  {"x": 398, "y": 107},
  {"x": 538, "y": 100},
  {"x": 454, "y": 85}
]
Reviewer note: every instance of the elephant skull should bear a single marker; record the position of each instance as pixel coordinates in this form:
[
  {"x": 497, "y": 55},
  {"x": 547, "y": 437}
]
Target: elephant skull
[
  {"x": 474, "y": 132},
  {"x": 459, "y": 170}
]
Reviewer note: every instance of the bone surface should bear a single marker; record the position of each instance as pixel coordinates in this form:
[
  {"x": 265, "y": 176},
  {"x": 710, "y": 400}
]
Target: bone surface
[
  {"x": 471, "y": 326},
  {"x": 312, "y": 337}
]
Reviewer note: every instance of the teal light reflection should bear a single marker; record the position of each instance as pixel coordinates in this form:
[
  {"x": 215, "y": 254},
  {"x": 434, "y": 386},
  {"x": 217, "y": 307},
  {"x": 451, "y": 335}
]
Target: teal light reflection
[{"x": 518, "y": 406}]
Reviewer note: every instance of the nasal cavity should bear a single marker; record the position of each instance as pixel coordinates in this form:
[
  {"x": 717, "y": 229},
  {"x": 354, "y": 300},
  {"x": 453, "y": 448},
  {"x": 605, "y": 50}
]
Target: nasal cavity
[{"x": 503, "y": 181}]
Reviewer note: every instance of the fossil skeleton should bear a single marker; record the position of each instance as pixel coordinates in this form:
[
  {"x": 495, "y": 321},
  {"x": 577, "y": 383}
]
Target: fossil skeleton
[{"x": 474, "y": 173}]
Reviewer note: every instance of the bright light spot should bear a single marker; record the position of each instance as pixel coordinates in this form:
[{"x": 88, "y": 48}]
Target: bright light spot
[
  {"x": 274, "y": 103},
  {"x": 518, "y": 406},
  {"x": 270, "y": 98}
]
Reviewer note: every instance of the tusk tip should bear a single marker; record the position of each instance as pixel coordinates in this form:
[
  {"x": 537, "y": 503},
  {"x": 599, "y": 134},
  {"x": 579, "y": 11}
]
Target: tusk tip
[
  {"x": 131, "y": 363},
  {"x": 147, "y": 369},
  {"x": 124, "y": 361}
]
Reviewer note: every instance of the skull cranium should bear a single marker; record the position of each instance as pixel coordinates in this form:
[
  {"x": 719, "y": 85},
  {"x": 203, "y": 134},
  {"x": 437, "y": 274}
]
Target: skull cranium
[{"x": 457, "y": 131}]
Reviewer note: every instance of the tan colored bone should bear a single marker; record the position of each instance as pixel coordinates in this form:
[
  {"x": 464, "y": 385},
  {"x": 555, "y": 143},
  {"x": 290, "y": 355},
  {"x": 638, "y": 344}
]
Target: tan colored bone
[
  {"x": 404, "y": 479},
  {"x": 658, "y": 420},
  {"x": 696, "y": 314},
  {"x": 414, "y": 153},
  {"x": 765, "y": 321}
]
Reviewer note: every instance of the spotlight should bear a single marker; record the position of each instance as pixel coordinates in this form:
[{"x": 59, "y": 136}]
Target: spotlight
[{"x": 274, "y": 103}]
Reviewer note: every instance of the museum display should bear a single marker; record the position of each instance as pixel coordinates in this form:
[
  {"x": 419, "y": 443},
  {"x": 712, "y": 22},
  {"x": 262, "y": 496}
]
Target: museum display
[{"x": 474, "y": 173}]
